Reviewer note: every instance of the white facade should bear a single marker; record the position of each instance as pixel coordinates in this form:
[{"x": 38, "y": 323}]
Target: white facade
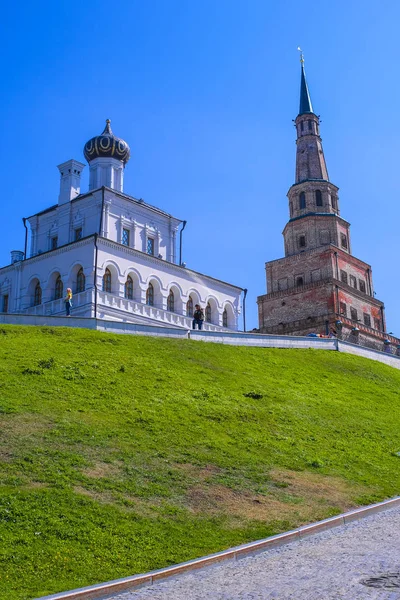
[{"x": 117, "y": 254}]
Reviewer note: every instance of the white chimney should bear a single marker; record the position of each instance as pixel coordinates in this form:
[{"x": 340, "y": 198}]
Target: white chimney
[{"x": 70, "y": 182}]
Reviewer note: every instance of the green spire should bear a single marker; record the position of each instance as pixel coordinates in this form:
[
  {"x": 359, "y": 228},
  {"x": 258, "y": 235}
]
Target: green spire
[{"x": 305, "y": 100}]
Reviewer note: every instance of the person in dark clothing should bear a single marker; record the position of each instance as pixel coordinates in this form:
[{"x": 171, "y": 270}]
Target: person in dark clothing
[{"x": 198, "y": 317}]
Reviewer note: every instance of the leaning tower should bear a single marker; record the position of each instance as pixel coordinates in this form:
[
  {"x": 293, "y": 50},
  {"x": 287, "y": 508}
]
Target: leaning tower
[{"x": 319, "y": 286}]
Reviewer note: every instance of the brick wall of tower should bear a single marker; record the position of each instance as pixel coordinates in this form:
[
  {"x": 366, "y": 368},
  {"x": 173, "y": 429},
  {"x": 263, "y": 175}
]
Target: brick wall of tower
[
  {"x": 316, "y": 232},
  {"x": 312, "y": 266},
  {"x": 309, "y": 304}
]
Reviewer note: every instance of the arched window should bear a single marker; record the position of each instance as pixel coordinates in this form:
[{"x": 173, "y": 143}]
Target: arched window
[
  {"x": 208, "y": 313},
  {"x": 37, "y": 298},
  {"x": 333, "y": 202},
  {"x": 107, "y": 281},
  {"x": 150, "y": 295},
  {"x": 225, "y": 318},
  {"x": 129, "y": 288},
  {"x": 318, "y": 198},
  {"x": 302, "y": 200},
  {"x": 80, "y": 281},
  {"x": 171, "y": 301},
  {"x": 189, "y": 307},
  {"x": 59, "y": 288}
]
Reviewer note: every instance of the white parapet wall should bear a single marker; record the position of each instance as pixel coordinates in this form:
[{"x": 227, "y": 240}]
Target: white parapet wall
[{"x": 263, "y": 340}]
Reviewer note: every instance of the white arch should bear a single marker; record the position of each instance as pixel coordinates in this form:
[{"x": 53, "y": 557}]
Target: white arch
[
  {"x": 49, "y": 293},
  {"x": 73, "y": 273},
  {"x": 137, "y": 285},
  {"x": 228, "y": 306},
  {"x": 195, "y": 296},
  {"x": 114, "y": 266},
  {"x": 178, "y": 303},
  {"x": 160, "y": 300},
  {"x": 215, "y": 316},
  {"x": 133, "y": 271}
]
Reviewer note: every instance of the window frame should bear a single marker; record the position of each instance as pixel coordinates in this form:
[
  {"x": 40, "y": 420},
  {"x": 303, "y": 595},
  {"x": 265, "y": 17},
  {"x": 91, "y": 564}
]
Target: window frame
[
  {"x": 150, "y": 295},
  {"x": 80, "y": 281},
  {"x": 150, "y": 244},
  {"x": 208, "y": 313},
  {"x": 37, "y": 295},
  {"x": 171, "y": 301},
  {"x": 353, "y": 313},
  {"x": 78, "y": 234},
  {"x": 189, "y": 307},
  {"x": 302, "y": 201},
  {"x": 126, "y": 237},
  {"x": 58, "y": 288},
  {"x": 107, "y": 281},
  {"x": 128, "y": 288}
]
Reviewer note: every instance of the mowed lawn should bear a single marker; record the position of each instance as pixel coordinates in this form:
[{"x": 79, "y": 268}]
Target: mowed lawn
[{"x": 121, "y": 454}]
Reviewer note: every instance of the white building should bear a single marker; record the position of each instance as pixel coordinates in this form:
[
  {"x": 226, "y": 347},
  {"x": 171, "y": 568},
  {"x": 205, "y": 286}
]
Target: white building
[{"x": 117, "y": 254}]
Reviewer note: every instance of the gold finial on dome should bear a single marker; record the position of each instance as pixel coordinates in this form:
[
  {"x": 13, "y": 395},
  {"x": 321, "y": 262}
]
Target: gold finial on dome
[{"x": 107, "y": 128}]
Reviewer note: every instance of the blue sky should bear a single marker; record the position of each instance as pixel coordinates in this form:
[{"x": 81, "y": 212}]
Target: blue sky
[{"x": 205, "y": 93}]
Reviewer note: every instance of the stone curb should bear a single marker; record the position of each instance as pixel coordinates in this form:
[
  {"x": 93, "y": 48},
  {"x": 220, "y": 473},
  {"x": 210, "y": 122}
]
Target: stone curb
[{"x": 103, "y": 590}]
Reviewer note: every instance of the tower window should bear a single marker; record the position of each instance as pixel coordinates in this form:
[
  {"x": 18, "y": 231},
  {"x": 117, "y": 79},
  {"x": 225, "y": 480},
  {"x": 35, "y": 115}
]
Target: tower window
[
  {"x": 333, "y": 202},
  {"x": 171, "y": 301},
  {"x": 59, "y": 288},
  {"x": 361, "y": 285},
  {"x": 302, "y": 126},
  {"x": 367, "y": 319},
  {"x": 343, "y": 276},
  {"x": 80, "y": 281},
  {"x": 53, "y": 242},
  {"x": 129, "y": 288},
  {"x": 310, "y": 125},
  {"x": 343, "y": 309},
  {"x": 302, "y": 241},
  {"x": 299, "y": 281},
  {"x": 343, "y": 241},
  {"x": 302, "y": 200},
  {"x": 318, "y": 198},
  {"x": 377, "y": 324},
  {"x": 150, "y": 246},
  {"x": 5, "y": 303},
  {"x": 78, "y": 234},
  {"x": 125, "y": 237},
  {"x": 353, "y": 314},
  {"x": 107, "y": 281},
  {"x": 353, "y": 281}
]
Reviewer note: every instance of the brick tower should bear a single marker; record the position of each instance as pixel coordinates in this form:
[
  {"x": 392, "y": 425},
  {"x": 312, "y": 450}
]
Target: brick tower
[{"x": 319, "y": 286}]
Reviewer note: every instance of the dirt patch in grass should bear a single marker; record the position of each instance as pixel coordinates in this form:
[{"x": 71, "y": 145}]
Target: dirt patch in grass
[
  {"x": 299, "y": 497},
  {"x": 101, "y": 470},
  {"x": 314, "y": 488}
]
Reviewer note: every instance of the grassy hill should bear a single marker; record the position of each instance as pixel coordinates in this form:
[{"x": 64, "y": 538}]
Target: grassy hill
[{"x": 120, "y": 454}]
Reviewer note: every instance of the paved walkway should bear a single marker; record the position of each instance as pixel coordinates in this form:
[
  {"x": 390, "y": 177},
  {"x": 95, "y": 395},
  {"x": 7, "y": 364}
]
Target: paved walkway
[{"x": 325, "y": 566}]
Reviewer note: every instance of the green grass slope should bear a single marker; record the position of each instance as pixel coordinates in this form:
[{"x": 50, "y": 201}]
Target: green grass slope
[{"x": 121, "y": 454}]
